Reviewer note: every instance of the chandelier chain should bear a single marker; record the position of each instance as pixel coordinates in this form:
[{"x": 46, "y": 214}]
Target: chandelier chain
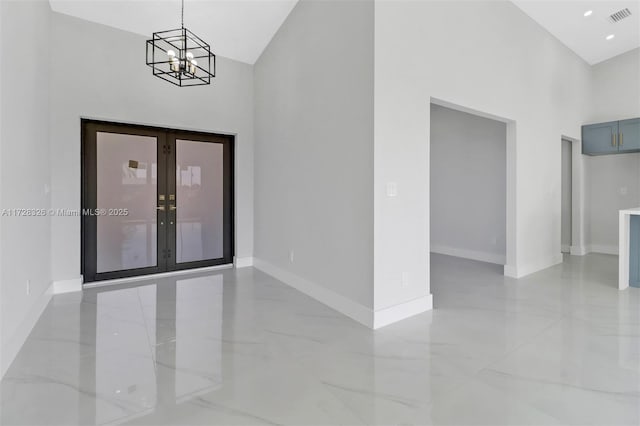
[{"x": 182, "y": 22}]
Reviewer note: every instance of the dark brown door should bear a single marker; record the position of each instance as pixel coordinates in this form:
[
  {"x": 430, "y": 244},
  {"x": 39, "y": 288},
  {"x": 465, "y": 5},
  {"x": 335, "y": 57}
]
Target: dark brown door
[{"x": 154, "y": 200}]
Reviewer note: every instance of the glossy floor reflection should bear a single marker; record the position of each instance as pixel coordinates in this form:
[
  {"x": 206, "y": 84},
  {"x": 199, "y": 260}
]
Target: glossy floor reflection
[{"x": 238, "y": 347}]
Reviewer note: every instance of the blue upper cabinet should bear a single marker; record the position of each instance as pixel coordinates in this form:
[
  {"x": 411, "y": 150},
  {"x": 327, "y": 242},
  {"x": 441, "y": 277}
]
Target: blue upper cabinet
[
  {"x": 614, "y": 137},
  {"x": 601, "y": 138},
  {"x": 629, "y": 135}
]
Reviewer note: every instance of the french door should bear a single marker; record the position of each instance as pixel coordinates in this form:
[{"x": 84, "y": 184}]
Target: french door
[{"x": 154, "y": 200}]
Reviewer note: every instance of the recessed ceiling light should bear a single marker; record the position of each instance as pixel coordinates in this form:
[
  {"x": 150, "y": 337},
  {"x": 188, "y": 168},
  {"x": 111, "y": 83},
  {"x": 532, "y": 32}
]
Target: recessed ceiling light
[
  {"x": 588, "y": 13},
  {"x": 610, "y": 36}
]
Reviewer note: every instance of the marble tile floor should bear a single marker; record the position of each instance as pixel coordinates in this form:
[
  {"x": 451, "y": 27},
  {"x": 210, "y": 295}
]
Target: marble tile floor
[{"x": 240, "y": 348}]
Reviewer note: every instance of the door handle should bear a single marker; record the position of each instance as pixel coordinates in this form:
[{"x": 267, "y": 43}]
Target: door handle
[{"x": 161, "y": 208}]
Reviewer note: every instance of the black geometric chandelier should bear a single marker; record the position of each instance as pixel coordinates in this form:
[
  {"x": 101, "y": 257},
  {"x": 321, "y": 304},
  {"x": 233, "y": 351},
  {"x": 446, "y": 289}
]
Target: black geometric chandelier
[{"x": 181, "y": 57}]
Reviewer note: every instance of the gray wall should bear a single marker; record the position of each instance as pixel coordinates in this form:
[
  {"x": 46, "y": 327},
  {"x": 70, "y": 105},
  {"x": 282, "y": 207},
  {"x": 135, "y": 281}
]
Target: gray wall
[
  {"x": 2, "y": 14},
  {"x": 613, "y": 184},
  {"x": 112, "y": 82},
  {"x": 314, "y": 148},
  {"x": 616, "y": 88},
  {"x": 486, "y": 56},
  {"x": 613, "y": 181},
  {"x": 25, "y": 169},
  {"x": 468, "y": 185}
]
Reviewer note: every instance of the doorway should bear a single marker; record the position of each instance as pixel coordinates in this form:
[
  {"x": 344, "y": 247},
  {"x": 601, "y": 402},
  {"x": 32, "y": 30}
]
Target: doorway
[
  {"x": 566, "y": 197},
  {"x": 468, "y": 185},
  {"x": 154, "y": 200}
]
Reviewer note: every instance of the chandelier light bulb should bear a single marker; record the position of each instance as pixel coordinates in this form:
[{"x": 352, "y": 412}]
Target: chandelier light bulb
[
  {"x": 171, "y": 54},
  {"x": 189, "y": 55},
  {"x": 174, "y": 64},
  {"x": 194, "y": 62}
]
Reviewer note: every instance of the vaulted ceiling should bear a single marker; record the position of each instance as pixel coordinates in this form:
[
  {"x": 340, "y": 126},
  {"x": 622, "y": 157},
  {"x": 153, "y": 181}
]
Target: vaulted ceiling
[
  {"x": 241, "y": 29},
  {"x": 236, "y": 29},
  {"x": 586, "y": 33}
]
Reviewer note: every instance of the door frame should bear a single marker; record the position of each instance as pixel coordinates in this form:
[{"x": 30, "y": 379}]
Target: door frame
[
  {"x": 87, "y": 198},
  {"x": 510, "y": 268},
  {"x": 564, "y": 140}
]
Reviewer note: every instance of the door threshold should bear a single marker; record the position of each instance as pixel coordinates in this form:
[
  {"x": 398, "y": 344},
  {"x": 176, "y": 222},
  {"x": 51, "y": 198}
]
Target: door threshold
[{"x": 128, "y": 280}]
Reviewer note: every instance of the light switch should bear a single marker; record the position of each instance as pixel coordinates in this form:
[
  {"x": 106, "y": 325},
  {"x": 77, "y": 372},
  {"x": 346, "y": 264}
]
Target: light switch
[{"x": 392, "y": 189}]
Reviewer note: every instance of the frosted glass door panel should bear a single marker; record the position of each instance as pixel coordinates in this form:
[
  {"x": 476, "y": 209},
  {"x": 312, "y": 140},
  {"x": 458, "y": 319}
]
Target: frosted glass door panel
[
  {"x": 127, "y": 181},
  {"x": 199, "y": 197}
]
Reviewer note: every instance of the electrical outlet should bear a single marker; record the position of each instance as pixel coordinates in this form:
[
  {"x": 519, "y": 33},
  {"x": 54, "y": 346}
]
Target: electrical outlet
[
  {"x": 28, "y": 287},
  {"x": 291, "y": 256}
]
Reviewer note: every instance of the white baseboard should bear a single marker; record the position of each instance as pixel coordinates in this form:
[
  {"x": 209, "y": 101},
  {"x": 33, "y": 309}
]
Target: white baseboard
[
  {"x": 510, "y": 271},
  {"x": 404, "y": 310},
  {"x": 13, "y": 344},
  {"x": 346, "y": 306},
  {"x": 594, "y": 248},
  {"x": 243, "y": 262},
  {"x": 522, "y": 271},
  {"x": 603, "y": 249},
  {"x": 578, "y": 250},
  {"x": 469, "y": 254},
  {"x": 67, "y": 286}
]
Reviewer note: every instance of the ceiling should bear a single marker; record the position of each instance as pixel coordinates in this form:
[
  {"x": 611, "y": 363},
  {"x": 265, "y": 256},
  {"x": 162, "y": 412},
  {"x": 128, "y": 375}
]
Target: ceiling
[
  {"x": 586, "y": 36},
  {"x": 241, "y": 29},
  {"x": 236, "y": 29}
]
